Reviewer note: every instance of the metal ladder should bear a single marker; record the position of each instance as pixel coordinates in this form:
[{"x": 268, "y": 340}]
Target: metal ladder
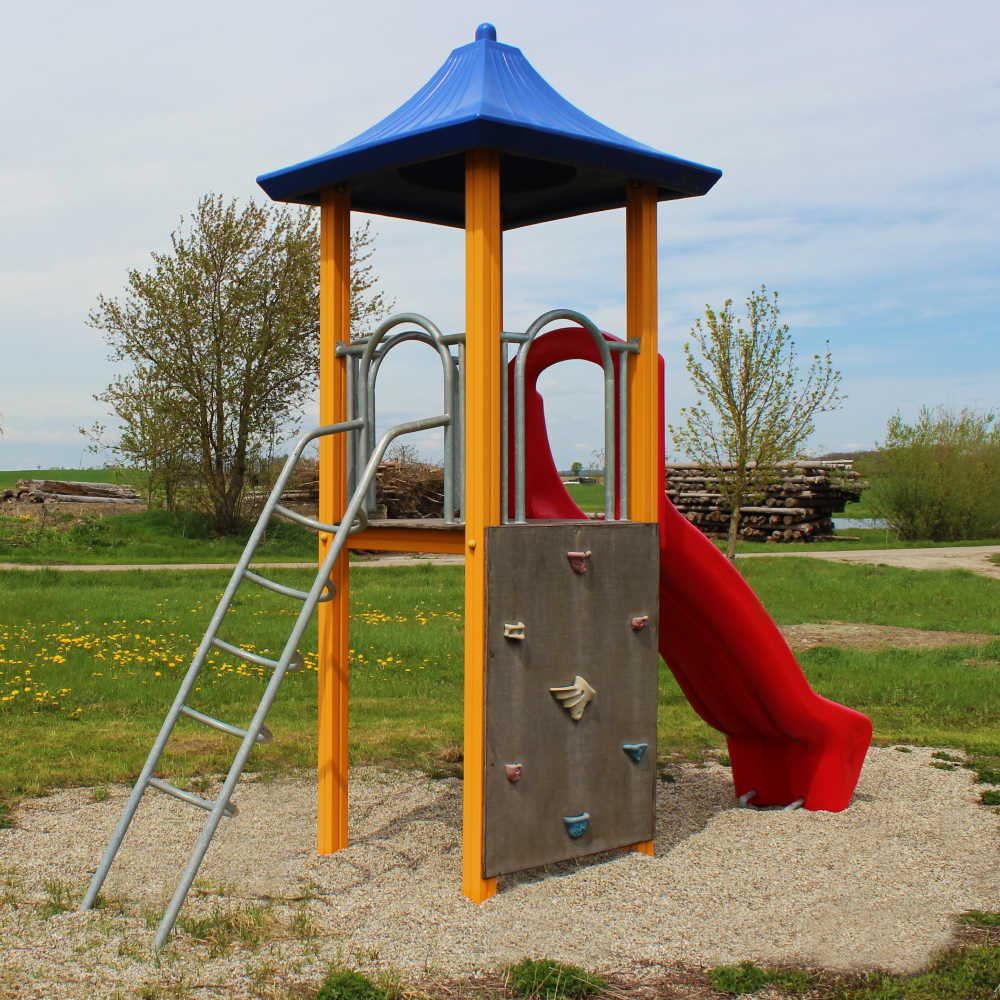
[{"x": 354, "y": 520}]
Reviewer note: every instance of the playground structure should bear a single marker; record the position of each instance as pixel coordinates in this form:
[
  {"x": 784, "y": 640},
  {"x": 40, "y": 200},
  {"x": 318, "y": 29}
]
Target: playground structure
[{"x": 563, "y": 615}]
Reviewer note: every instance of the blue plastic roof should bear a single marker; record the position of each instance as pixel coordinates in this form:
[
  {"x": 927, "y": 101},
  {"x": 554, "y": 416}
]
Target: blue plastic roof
[{"x": 557, "y": 161}]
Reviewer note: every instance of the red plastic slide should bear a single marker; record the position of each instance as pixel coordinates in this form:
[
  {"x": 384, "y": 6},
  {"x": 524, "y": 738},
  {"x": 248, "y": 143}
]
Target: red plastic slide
[{"x": 734, "y": 666}]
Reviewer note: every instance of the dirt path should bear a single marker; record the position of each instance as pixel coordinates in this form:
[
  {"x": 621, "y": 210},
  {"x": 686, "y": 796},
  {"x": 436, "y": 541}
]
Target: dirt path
[
  {"x": 396, "y": 559},
  {"x": 973, "y": 557},
  {"x": 851, "y": 636}
]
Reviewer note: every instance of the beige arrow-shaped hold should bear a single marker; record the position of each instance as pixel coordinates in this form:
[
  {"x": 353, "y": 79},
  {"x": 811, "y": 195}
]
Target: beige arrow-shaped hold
[{"x": 576, "y": 697}]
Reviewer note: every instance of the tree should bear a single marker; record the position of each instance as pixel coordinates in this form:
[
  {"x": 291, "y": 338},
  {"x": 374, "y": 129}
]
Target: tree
[
  {"x": 576, "y": 468},
  {"x": 223, "y": 334},
  {"x": 755, "y": 410},
  {"x": 156, "y": 450},
  {"x": 938, "y": 479}
]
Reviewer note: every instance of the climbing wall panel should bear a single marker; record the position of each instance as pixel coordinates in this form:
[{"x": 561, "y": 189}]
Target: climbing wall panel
[{"x": 571, "y": 690}]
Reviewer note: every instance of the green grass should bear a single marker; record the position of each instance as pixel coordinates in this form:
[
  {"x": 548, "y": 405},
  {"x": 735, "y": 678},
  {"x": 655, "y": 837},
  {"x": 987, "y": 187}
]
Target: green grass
[
  {"x": 548, "y": 980},
  {"x": 749, "y": 978},
  {"x": 346, "y": 984},
  {"x": 971, "y": 973},
  {"x": 101, "y": 655},
  {"x": 813, "y": 590},
  {"x": 156, "y": 537},
  {"x": 145, "y": 537},
  {"x": 868, "y": 539},
  {"x": 8, "y": 479},
  {"x": 589, "y": 497}
]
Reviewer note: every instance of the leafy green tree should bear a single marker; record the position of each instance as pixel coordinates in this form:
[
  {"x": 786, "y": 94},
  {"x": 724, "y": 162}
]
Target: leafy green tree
[
  {"x": 754, "y": 409},
  {"x": 156, "y": 450},
  {"x": 938, "y": 479},
  {"x": 576, "y": 468},
  {"x": 223, "y": 337}
]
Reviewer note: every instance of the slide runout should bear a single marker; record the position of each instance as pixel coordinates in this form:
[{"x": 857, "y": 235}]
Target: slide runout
[{"x": 729, "y": 658}]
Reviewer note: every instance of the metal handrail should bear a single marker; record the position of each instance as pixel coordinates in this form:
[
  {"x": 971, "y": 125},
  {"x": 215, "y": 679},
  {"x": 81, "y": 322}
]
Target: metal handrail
[
  {"x": 190, "y": 678},
  {"x": 284, "y": 662},
  {"x": 365, "y": 387},
  {"x": 609, "y": 411}
]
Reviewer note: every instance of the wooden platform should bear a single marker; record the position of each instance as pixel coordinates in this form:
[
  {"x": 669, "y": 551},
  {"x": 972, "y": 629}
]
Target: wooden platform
[{"x": 429, "y": 534}]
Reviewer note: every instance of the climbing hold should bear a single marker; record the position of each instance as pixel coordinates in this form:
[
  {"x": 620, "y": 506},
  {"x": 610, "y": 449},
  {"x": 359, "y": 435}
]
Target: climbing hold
[
  {"x": 635, "y": 750},
  {"x": 576, "y": 697},
  {"x": 576, "y": 825},
  {"x": 578, "y": 560},
  {"x": 515, "y": 631},
  {"x": 638, "y": 624},
  {"x": 513, "y": 772}
]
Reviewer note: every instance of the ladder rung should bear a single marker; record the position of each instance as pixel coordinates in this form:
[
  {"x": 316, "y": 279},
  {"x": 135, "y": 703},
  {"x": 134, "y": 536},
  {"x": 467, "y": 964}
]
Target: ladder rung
[
  {"x": 298, "y": 663},
  {"x": 264, "y": 736},
  {"x": 279, "y": 588},
  {"x": 359, "y": 525},
  {"x": 193, "y": 800}
]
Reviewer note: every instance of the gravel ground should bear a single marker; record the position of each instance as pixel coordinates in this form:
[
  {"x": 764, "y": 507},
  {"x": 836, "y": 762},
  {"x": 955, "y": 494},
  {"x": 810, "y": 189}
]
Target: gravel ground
[{"x": 874, "y": 886}]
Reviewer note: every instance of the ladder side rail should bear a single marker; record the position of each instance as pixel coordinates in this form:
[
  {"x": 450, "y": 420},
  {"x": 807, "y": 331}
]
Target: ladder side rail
[
  {"x": 197, "y": 662},
  {"x": 285, "y": 660},
  {"x": 609, "y": 408}
]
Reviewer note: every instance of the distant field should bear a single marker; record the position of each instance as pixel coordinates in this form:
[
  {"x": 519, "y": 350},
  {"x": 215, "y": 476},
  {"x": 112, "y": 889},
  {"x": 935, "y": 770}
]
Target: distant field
[
  {"x": 145, "y": 537},
  {"x": 8, "y": 479},
  {"x": 590, "y": 499}
]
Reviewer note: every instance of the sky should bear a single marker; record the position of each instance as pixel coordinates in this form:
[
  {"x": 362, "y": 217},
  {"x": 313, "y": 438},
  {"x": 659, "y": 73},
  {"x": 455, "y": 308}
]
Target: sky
[{"x": 858, "y": 143}]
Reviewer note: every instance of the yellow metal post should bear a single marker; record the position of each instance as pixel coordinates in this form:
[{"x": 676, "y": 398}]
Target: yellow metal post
[
  {"x": 334, "y": 325},
  {"x": 483, "y": 319},
  {"x": 644, "y": 456}
]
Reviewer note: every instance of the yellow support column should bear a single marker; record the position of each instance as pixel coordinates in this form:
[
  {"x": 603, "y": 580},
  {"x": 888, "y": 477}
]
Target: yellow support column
[
  {"x": 334, "y": 325},
  {"x": 644, "y": 456},
  {"x": 483, "y": 319}
]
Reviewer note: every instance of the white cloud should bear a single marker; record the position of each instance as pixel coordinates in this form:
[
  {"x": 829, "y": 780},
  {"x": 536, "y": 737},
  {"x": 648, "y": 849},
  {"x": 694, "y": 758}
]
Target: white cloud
[{"x": 858, "y": 142}]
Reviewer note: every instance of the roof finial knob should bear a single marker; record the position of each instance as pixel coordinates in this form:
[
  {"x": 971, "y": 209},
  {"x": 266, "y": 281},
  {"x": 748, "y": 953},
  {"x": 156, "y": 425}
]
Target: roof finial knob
[{"x": 487, "y": 31}]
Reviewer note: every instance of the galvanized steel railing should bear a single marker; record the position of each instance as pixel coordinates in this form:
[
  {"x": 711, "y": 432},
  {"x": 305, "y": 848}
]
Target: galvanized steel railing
[
  {"x": 354, "y": 520},
  {"x": 615, "y": 487},
  {"x": 364, "y": 358}
]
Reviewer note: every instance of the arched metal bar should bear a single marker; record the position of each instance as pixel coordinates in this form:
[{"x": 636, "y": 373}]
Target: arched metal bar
[
  {"x": 609, "y": 409},
  {"x": 366, "y": 393}
]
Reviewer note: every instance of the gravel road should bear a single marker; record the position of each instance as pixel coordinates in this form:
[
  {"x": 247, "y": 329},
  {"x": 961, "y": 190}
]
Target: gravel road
[{"x": 874, "y": 886}]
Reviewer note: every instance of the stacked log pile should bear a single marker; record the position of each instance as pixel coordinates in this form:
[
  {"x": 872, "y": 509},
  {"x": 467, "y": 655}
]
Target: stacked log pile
[
  {"x": 796, "y": 508},
  {"x": 414, "y": 490},
  {"x": 58, "y": 491}
]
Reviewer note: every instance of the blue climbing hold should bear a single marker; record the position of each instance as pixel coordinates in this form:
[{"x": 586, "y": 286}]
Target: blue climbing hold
[
  {"x": 635, "y": 750},
  {"x": 576, "y": 825}
]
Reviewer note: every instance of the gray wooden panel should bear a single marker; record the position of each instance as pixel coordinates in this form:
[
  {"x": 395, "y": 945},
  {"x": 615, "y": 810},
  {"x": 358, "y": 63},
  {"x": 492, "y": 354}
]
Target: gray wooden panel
[{"x": 574, "y": 624}]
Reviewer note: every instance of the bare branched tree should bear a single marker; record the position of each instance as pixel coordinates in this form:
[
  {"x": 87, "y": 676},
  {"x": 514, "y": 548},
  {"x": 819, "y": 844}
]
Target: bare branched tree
[{"x": 755, "y": 409}]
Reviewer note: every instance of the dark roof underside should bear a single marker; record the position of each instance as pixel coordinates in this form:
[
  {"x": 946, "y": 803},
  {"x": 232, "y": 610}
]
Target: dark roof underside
[{"x": 556, "y": 161}]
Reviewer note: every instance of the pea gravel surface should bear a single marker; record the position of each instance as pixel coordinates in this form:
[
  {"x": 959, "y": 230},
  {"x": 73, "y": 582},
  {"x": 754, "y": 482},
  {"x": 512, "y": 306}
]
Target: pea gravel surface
[{"x": 875, "y": 886}]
